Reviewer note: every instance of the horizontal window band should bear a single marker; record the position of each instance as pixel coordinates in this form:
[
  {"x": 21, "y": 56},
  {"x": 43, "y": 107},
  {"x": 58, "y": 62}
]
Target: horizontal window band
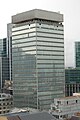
[
  {"x": 49, "y": 32},
  {"x": 22, "y": 29},
  {"x": 37, "y": 41}
]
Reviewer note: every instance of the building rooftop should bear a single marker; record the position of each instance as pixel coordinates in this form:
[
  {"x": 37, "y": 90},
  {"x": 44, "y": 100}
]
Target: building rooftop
[
  {"x": 38, "y": 116},
  {"x": 37, "y": 14},
  {"x": 34, "y": 116},
  {"x": 69, "y": 97},
  {"x": 3, "y": 118}
]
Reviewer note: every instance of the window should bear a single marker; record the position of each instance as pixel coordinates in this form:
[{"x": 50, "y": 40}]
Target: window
[
  {"x": 4, "y": 111},
  {"x": 11, "y": 103},
  {"x": 76, "y": 101},
  {"x": 3, "y": 100},
  {"x": 7, "y": 103},
  {"x": 7, "y": 110},
  {"x": 3, "y": 103},
  {"x": 59, "y": 102},
  {"x": 53, "y": 108}
]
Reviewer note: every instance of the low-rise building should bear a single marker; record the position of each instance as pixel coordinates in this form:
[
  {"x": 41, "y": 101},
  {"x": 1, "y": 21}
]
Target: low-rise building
[
  {"x": 65, "y": 107},
  {"x": 6, "y": 103}
]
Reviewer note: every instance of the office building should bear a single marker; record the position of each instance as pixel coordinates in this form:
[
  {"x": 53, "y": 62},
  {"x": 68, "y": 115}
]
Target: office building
[
  {"x": 3, "y": 47},
  {"x": 72, "y": 75},
  {"x": 4, "y": 63},
  {"x": 6, "y": 57},
  {"x": 37, "y": 58},
  {"x": 77, "y": 54},
  {"x": 9, "y": 48},
  {"x": 72, "y": 81}
]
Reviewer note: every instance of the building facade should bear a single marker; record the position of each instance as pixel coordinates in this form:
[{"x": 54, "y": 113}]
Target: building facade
[
  {"x": 71, "y": 88},
  {"x": 6, "y": 103},
  {"x": 65, "y": 107},
  {"x": 4, "y": 62},
  {"x": 6, "y": 57},
  {"x": 72, "y": 81},
  {"x": 9, "y": 48},
  {"x": 3, "y": 47},
  {"x": 77, "y": 54},
  {"x": 37, "y": 58}
]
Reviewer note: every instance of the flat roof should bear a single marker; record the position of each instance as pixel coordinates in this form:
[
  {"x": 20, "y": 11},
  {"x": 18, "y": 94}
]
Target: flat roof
[
  {"x": 3, "y": 118},
  {"x": 68, "y": 97},
  {"x": 37, "y": 14}
]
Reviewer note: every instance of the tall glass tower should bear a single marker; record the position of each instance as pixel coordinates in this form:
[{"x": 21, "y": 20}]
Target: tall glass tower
[
  {"x": 77, "y": 54},
  {"x": 4, "y": 63},
  {"x": 37, "y": 58}
]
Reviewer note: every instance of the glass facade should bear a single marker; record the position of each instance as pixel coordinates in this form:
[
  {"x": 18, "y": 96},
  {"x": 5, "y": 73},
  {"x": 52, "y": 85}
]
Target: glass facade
[
  {"x": 1, "y": 47},
  {"x": 77, "y": 53},
  {"x": 37, "y": 63},
  {"x": 72, "y": 81},
  {"x": 72, "y": 75},
  {"x": 9, "y": 48},
  {"x": 4, "y": 62}
]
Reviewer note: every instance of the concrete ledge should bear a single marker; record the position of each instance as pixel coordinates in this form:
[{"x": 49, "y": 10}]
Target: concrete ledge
[{"x": 37, "y": 14}]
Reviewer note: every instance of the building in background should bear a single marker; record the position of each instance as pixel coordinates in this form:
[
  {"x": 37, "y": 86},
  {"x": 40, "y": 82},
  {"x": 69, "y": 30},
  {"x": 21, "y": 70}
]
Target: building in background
[
  {"x": 4, "y": 63},
  {"x": 6, "y": 58},
  {"x": 9, "y": 48},
  {"x": 37, "y": 58},
  {"x": 71, "y": 88},
  {"x": 3, "y": 47},
  {"x": 72, "y": 75},
  {"x": 6, "y": 103},
  {"x": 72, "y": 81},
  {"x": 77, "y": 54}
]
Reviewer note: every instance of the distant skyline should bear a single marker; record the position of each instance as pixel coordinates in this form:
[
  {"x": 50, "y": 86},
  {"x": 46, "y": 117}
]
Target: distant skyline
[{"x": 70, "y": 9}]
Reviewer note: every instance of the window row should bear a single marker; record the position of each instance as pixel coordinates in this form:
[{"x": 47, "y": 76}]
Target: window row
[
  {"x": 47, "y": 26},
  {"x": 27, "y": 26},
  {"x": 15, "y": 69},
  {"x": 52, "y": 31},
  {"x": 38, "y": 30},
  {"x": 33, "y": 47},
  {"x": 24, "y": 40},
  {"x": 24, "y": 31},
  {"x": 33, "y": 44},
  {"x": 24, "y": 35},
  {"x": 30, "y": 40}
]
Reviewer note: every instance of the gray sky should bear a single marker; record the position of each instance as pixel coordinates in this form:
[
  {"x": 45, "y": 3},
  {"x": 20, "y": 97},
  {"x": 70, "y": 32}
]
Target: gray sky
[{"x": 70, "y": 9}]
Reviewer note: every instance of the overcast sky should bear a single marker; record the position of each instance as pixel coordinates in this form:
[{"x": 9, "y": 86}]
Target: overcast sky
[{"x": 70, "y": 9}]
